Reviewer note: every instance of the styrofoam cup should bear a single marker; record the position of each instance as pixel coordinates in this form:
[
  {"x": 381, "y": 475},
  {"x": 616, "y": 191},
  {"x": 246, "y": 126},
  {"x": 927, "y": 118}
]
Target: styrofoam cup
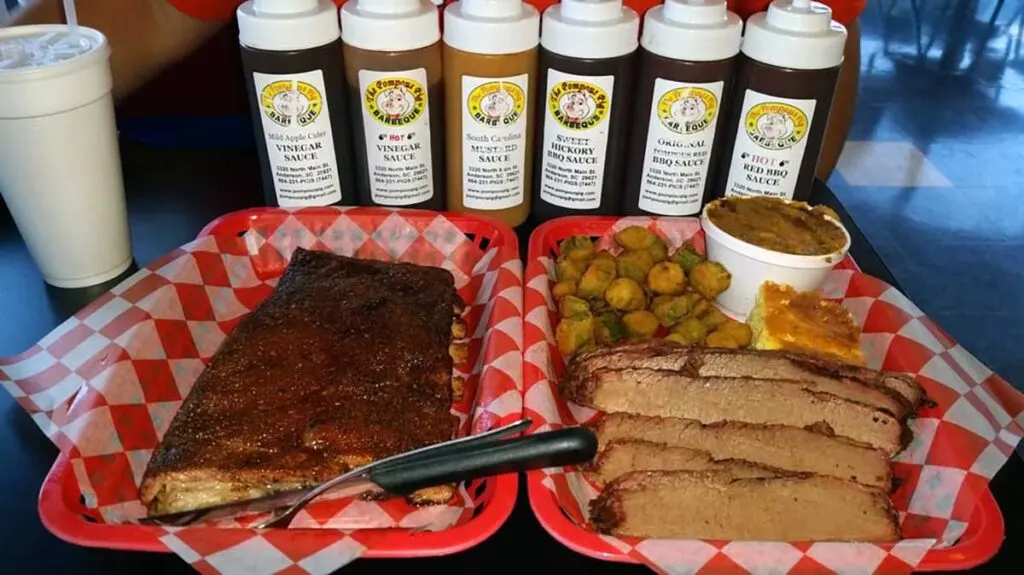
[
  {"x": 60, "y": 167},
  {"x": 752, "y": 265}
]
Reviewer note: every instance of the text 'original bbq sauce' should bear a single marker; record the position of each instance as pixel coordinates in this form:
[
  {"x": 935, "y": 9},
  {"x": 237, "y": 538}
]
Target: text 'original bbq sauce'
[
  {"x": 393, "y": 67},
  {"x": 785, "y": 82},
  {"x": 587, "y": 66},
  {"x": 291, "y": 56},
  {"x": 687, "y": 56}
]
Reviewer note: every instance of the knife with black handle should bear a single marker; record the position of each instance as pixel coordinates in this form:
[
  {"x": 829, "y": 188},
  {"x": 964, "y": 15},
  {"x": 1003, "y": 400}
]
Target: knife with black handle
[{"x": 463, "y": 459}]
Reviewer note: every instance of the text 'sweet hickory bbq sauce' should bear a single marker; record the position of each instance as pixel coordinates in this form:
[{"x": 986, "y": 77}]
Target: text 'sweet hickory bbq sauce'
[
  {"x": 291, "y": 56},
  {"x": 687, "y": 59},
  {"x": 587, "y": 66},
  {"x": 392, "y": 54},
  {"x": 490, "y": 76},
  {"x": 786, "y": 78}
]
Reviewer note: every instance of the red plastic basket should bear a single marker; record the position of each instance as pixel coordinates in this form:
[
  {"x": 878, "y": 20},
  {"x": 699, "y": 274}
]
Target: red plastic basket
[
  {"x": 979, "y": 542},
  {"x": 61, "y": 505}
]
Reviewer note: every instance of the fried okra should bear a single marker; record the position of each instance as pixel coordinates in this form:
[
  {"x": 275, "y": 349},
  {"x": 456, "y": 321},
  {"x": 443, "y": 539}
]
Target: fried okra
[
  {"x": 625, "y": 294},
  {"x": 710, "y": 279}
]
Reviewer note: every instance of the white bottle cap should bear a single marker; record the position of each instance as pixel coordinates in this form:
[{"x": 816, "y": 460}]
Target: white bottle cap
[
  {"x": 390, "y": 25},
  {"x": 491, "y": 26},
  {"x": 692, "y": 30},
  {"x": 284, "y": 25},
  {"x": 795, "y": 34},
  {"x": 590, "y": 29}
]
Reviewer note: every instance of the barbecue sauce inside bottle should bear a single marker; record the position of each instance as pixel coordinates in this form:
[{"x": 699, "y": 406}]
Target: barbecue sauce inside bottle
[
  {"x": 587, "y": 66},
  {"x": 687, "y": 58},
  {"x": 392, "y": 55},
  {"x": 786, "y": 79},
  {"x": 490, "y": 69},
  {"x": 291, "y": 56}
]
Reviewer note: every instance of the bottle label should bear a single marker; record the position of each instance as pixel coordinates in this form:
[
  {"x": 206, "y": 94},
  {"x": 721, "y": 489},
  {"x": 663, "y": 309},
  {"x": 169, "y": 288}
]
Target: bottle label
[
  {"x": 494, "y": 116},
  {"x": 680, "y": 136},
  {"x": 770, "y": 144},
  {"x": 296, "y": 122},
  {"x": 575, "y": 143},
  {"x": 396, "y": 126}
]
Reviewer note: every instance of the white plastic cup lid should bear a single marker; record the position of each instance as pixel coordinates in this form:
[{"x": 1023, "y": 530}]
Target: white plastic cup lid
[{"x": 23, "y": 48}]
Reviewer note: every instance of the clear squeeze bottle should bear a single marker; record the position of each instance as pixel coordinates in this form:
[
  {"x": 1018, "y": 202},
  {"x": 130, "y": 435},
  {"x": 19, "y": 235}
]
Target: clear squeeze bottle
[
  {"x": 490, "y": 69},
  {"x": 291, "y": 56},
  {"x": 587, "y": 67},
  {"x": 392, "y": 54},
  {"x": 687, "y": 59},
  {"x": 785, "y": 82}
]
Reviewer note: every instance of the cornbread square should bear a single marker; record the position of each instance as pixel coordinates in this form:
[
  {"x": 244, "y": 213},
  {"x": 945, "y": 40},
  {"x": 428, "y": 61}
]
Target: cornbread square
[{"x": 786, "y": 319}]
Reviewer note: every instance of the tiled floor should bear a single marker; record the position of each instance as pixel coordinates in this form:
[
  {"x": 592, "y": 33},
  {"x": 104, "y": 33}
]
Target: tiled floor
[{"x": 934, "y": 171}]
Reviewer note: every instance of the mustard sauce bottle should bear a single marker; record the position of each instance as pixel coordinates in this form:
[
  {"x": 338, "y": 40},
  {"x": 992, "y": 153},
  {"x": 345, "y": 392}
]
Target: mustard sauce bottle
[
  {"x": 392, "y": 53},
  {"x": 490, "y": 69}
]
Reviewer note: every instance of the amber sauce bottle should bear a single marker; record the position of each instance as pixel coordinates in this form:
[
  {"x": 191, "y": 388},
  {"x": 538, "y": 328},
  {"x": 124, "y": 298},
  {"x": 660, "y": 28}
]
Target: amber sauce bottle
[
  {"x": 687, "y": 59},
  {"x": 291, "y": 56},
  {"x": 393, "y": 66},
  {"x": 490, "y": 69},
  {"x": 587, "y": 66},
  {"x": 785, "y": 82}
]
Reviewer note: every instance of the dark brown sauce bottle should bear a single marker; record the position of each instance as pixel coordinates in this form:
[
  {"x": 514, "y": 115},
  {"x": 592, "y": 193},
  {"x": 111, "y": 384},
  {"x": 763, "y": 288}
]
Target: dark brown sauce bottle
[
  {"x": 587, "y": 67},
  {"x": 396, "y": 93},
  {"x": 785, "y": 83},
  {"x": 687, "y": 59},
  {"x": 297, "y": 101}
]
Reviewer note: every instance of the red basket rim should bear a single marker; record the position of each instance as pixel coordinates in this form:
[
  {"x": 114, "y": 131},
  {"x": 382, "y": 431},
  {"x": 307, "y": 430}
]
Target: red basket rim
[
  {"x": 979, "y": 543},
  {"x": 60, "y": 486}
]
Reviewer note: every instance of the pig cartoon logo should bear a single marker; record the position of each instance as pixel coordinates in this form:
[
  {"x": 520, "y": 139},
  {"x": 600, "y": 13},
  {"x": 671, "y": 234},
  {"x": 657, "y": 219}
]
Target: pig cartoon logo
[
  {"x": 775, "y": 125},
  {"x": 687, "y": 110},
  {"x": 577, "y": 105},
  {"x": 395, "y": 101},
  {"x": 289, "y": 103},
  {"x": 496, "y": 103}
]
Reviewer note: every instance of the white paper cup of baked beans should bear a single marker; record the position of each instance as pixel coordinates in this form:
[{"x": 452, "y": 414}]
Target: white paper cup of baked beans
[{"x": 751, "y": 265}]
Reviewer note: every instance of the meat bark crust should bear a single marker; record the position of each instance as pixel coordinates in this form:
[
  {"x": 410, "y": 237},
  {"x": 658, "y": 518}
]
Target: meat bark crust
[
  {"x": 713, "y": 399},
  {"x": 346, "y": 361},
  {"x": 898, "y": 394},
  {"x": 775, "y": 446}
]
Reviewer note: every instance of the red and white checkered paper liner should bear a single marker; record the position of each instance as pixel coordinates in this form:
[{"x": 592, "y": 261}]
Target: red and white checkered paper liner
[
  {"x": 957, "y": 448},
  {"x": 105, "y": 384}
]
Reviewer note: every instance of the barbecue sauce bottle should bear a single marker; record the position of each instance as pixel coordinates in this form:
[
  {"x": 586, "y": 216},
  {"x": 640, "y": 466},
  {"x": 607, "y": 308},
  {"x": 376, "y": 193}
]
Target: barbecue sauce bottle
[
  {"x": 291, "y": 56},
  {"x": 490, "y": 69},
  {"x": 393, "y": 66},
  {"x": 687, "y": 59},
  {"x": 587, "y": 65},
  {"x": 786, "y": 79}
]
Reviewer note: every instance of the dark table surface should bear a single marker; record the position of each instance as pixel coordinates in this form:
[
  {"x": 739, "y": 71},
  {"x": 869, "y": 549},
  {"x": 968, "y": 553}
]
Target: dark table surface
[{"x": 172, "y": 193}]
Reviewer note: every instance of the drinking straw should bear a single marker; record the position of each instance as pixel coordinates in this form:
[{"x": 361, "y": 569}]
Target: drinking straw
[{"x": 71, "y": 16}]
